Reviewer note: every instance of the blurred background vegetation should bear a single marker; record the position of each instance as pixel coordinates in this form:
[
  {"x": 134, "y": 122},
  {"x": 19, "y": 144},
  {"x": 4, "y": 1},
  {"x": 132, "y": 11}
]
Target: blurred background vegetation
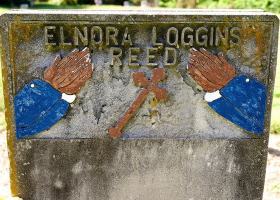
[{"x": 267, "y": 5}]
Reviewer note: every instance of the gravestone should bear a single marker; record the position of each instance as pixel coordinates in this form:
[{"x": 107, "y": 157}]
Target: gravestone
[{"x": 138, "y": 104}]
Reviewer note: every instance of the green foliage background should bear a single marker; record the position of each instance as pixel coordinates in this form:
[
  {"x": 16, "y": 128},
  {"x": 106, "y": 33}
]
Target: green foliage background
[
  {"x": 268, "y": 5},
  {"x": 2, "y": 120},
  {"x": 168, "y": 3},
  {"x": 1, "y": 94},
  {"x": 69, "y": 2}
]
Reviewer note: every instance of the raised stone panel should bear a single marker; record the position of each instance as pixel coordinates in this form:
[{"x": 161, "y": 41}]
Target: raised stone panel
[{"x": 137, "y": 104}]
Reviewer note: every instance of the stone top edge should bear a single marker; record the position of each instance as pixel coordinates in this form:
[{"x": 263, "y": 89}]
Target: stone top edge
[
  {"x": 138, "y": 15},
  {"x": 145, "y": 12}
]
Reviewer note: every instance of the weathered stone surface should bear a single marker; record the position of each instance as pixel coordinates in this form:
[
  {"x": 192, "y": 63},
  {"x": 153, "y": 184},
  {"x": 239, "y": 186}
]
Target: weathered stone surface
[
  {"x": 141, "y": 169},
  {"x": 177, "y": 149}
]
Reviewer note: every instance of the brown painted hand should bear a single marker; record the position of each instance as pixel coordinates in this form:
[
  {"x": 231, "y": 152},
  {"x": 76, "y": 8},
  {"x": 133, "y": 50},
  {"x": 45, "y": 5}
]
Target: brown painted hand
[
  {"x": 211, "y": 72},
  {"x": 68, "y": 75}
]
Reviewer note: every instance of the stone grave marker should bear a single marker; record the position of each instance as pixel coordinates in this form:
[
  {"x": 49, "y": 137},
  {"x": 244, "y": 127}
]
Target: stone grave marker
[{"x": 138, "y": 105}]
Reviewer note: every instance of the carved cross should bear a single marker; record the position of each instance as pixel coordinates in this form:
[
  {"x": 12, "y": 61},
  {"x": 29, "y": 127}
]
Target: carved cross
[{"x": 147, "y": 85}]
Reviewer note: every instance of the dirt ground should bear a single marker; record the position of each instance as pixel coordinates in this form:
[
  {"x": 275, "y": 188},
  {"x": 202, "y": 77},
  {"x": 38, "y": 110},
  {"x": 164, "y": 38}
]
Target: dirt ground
[
  {"x": 4, "y": 166},
  {"x": 272, "y": 185},
  {"x": 272, "y": 180}
]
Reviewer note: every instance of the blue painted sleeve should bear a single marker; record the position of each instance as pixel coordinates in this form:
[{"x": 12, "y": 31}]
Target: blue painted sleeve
[
  {"x": 243, "y": 103},
  {"x": 38, "y": 106}
]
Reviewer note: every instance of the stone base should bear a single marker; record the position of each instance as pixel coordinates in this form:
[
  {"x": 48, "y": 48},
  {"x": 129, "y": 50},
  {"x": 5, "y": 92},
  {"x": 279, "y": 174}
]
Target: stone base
[{"x": 106, "y": 169}]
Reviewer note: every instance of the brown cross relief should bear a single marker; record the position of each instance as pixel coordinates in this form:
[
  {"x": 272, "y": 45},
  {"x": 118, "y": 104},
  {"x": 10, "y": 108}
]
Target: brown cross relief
[{"x": 147, "y": 85}]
